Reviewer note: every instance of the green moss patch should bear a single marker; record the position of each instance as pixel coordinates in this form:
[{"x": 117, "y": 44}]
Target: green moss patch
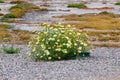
[
  {"x": 10, "y": 16},
  {"x": 25, "y": 6},
  {"x": 75, "y": 5},
  {"x": 117, "y": 3},
  {"x": 19, "y": 10}
]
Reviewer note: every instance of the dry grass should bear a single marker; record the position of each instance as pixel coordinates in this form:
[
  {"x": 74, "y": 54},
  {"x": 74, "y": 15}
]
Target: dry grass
[
  {"x": 24, "y": 36},
  {"x": 93, "y": 33},
  {"x": 106, "y": 36},
  {"x": 7, "y": 35},
  {"x": 18, "y": 12},
  {"x": 107, "y": 45},
  {"x": 96, "y": 21},
  {"x": 113, "y": 38},
  {"x": 110, "y": 38},
  {"x": 4, "y": 34}
]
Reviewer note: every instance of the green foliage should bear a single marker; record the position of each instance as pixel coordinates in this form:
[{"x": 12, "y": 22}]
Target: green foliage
[
  {"x": 10, "y": 50},
  {"x": 117, "y": 3},
  {"x": 58, "y": 42},
  {"x": 16, "y": 6},
  {"x": 1, "y": 1},
  {"x": 25, "y": 6},
  {"x": 18, "y": 10},
  {"x": 75, "y": 5},
  {"x": 6, "y": 17},
  {"x": 21, "y": 8},
  {"x": 10, "y": 16}
]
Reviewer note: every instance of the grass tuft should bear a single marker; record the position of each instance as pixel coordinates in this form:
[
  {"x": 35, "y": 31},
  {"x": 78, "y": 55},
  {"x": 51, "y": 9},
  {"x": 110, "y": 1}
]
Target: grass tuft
[
  {"x": 6, "y": 17},
  {"x": 10, "y": 50},
  {"x": 75, "y": 5},
  {"x": 10, "y": 16}
]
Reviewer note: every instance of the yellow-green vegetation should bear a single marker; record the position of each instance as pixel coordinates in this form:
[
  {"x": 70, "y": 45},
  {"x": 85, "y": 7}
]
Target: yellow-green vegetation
[
  {"x": 1, "y": 1},
  {"x": 117, "y": 3},
  {"x": 76, "y": 5},
  {"x": 10, "y": 50},
  {"x": 7, "y": 35},
  {"x": 25, "y": 6},
  {"x": 6, "y": 17},
  {"x": 59, "y": 42},
  {"x": 10, "y": 16},
  {"x": 5, "y": 26},
  {"x": 3, "y": 32},
  {"x": 97, "y": 26},
  {"x": 95, "y": 21},
  {"x": 19, "y": 10}
]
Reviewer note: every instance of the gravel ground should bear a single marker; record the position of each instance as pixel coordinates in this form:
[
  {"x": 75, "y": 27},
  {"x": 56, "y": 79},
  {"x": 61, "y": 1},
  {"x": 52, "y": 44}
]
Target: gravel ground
[
  {"x": 5, "y": 7},
  {"x": 104, "y": 64}
]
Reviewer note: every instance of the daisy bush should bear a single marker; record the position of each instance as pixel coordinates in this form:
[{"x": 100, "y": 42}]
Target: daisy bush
[{"x": 58, "y": 42}]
